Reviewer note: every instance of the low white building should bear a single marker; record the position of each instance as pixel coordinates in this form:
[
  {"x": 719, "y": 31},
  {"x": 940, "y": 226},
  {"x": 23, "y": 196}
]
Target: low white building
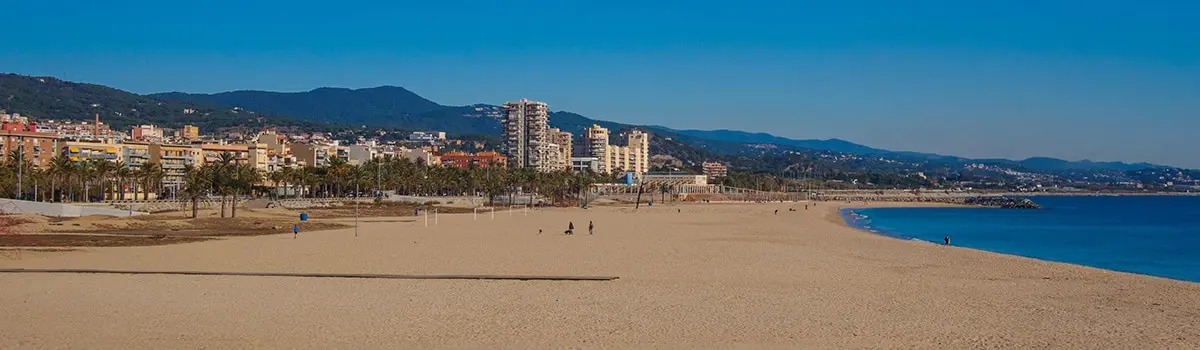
[{"x": 583, "y": 164}]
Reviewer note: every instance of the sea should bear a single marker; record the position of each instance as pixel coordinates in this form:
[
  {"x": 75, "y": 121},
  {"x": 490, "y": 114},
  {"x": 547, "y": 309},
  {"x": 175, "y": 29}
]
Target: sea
[{"x": 1150, "y": 235}]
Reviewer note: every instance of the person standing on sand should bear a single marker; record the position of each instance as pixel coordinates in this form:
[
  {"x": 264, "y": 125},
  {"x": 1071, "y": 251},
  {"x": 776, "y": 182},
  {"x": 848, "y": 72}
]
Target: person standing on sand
[
  {"x": 591, "y": 227},
  {"x": 295, "y": 231},
  {"x": 947, "y": 239}
]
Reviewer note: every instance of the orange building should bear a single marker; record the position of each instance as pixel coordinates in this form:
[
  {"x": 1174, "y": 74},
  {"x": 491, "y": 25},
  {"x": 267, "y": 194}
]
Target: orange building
[
  {"x": 37, "y": 148},
  {"x": 481, "y": 159}
]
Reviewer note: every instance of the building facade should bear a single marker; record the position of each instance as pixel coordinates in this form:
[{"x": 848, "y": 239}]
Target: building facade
[
  {"x": 563, "y": 140},
  {"x": 715, "y": 170},
  {"x": 585, "y": 164},
  {"x": 173, "y": 160},
  {"x": 527, "y": 139},
  {"x": 147, "y": 133},
  {"x": 633, "y": 158},
  {"x": 213, "y": 152},
  {"x": 33, "y": 147},
  {"x": 481, "y": 160},
  {"x": 427, "y": 136},
  {"x": 311, "y": 154},
  {"x": 189, "y": 132}
]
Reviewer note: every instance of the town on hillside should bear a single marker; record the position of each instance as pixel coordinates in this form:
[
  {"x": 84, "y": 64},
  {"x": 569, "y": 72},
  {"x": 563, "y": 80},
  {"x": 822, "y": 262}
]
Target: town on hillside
[{"x": 152, "y": 162}]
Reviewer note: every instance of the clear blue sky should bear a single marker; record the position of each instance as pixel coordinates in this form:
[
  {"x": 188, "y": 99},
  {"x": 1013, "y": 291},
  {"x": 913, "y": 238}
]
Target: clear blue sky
[{"x": 1103, "y": 80}]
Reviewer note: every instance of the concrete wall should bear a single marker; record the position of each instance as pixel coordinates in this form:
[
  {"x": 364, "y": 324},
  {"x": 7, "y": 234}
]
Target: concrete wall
[{"x": 58, "y": 209}]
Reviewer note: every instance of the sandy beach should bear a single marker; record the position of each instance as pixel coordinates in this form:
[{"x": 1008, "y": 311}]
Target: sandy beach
[{"x": 695, "y": 275}]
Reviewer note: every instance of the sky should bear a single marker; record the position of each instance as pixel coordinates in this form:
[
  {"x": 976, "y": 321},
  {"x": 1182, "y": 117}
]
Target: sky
[{"x": 1100, "y": 80}]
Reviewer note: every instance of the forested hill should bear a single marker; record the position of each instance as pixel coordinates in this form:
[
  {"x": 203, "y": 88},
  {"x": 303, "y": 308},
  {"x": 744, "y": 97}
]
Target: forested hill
[{"x": 52, "y": 98}]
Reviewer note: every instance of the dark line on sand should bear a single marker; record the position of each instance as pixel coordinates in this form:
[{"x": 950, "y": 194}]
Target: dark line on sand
[{"x": 321, "y": 275}]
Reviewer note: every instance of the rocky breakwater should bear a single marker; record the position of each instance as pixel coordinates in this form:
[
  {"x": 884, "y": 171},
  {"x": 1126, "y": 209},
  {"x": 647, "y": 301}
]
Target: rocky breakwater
[{"x": 1002, "y": 202}]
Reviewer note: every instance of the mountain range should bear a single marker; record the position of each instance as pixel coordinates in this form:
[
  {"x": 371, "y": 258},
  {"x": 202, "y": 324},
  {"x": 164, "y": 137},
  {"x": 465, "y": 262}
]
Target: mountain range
[
  {"x": 396, "y": 107},
  {"x": 52, "y": 98}
]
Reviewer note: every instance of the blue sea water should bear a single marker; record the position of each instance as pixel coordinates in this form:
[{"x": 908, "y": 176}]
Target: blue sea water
[{"x": 1151, "y": 235}]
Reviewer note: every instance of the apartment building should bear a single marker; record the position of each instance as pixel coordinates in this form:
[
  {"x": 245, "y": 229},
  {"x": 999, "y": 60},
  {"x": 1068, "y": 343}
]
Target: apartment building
[
  {"x": 78, "y": 151},
  {"x": 313, "y": 154},
  {"x": 173, "y": 160},
  {"x": 36, "y": 148},
  {"x": 135, "y": 154},
  {"x": 715, "y": 170},
  {"x": 633, "y": 158},
  {"x": 213, "y": 152},
  {"x": 562, "y": 139},
  {"x": 527, "y": 138}
]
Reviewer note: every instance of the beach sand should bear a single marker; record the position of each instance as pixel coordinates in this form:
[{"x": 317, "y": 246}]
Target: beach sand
[{"x": 715, "y": 275}]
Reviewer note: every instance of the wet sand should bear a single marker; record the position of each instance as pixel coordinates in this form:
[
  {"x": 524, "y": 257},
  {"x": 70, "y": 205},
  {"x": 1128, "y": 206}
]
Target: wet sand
[{"x": 718, "y": 275}]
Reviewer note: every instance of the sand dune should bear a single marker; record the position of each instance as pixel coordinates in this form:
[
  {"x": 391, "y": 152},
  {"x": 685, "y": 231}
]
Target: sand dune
[{"x": 719, "y": 275}]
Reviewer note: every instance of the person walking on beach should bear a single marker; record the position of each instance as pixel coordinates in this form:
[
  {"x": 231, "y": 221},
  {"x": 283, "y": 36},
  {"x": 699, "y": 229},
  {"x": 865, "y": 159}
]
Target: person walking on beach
[
  {"x": 591, "y": 227},
  {"x": 295, "y": 231},
  {"x": 947, "y": 239}
]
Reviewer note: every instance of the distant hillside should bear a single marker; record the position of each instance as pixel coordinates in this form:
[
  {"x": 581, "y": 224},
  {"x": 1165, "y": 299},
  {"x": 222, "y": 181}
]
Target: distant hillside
[
  {"x": 836, "y": 145},
  {"x": 384, "y": 105},
  {"x": 51, "y": 98},
  {"x": 396, "y": 107}
]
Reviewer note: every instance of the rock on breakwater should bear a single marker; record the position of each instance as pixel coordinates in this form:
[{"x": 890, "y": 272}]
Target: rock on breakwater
[{"x": 1002, "y": 202}]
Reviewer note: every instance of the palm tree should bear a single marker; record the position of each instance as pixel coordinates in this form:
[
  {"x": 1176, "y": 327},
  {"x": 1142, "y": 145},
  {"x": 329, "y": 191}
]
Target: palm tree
[
  {"x": 338, "y": 169},
  {"x": 196, "y": 183},
  {"x": 85, "y": 170},
  {"x": 102, "y": 173},
  {"x": 124, "y": 172},
  {"x": 276, "y": 178},
  {"x": 245, "y": 176},
  {"x": 151, "y": 175},
  {"x": 61, "y": 169},
  {"x": 222, "y": 175}
]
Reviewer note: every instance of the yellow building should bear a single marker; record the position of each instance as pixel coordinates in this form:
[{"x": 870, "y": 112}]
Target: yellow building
[
  {"x": 212, "y": 153},
  {"x": 190, "y": 132},
  {"x": 634, "y": 157},
  {"x": 258, "y": 156},
  {"x": 81, "y": 151},
  {"x": 173, "y": 159},
  {"x": 563, "y": 139}
]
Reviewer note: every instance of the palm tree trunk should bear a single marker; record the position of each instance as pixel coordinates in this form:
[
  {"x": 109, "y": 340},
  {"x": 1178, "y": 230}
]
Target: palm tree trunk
[
  {"x": 223, "y": 205},
  {"x": 194, "y": 204},
  {"x": 233, "y": 206}
]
